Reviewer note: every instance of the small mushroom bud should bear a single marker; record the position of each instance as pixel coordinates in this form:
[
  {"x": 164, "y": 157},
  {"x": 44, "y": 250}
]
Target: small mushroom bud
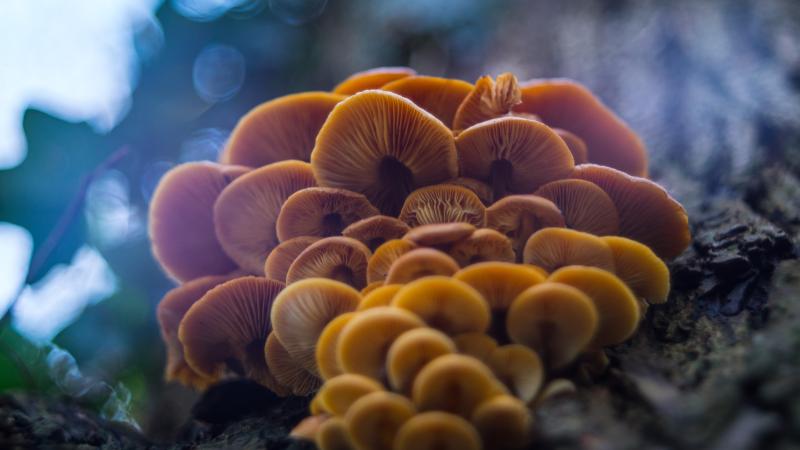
[
  {"x": 419, "y": 263},
  {"x": 372, "y": 79},
  {"x": 488, "y": 99},
  {"x": 552, "y": 248},
  {"x": 443, "y": 203},
  {"x": 446, "y": 304}
]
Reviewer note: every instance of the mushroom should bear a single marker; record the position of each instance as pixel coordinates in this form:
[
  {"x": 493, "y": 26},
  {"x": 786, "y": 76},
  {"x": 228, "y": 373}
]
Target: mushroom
[
  {"x": 456, "y": 384},
  {"x": 181, "y": 224},
  {"x": 519, "y": 368},
  {"x": 302, "y": 311},
  {"x": 372, "y": 79},
  {"x": 411, "y": 351},
  {"x": 286, "y": 370},
  {"x": 519, "y": 216},
  {"x": 559, "y": 387},
  {"x": 443, "y": 203},
  {"x": 481, "y": 189},
  {"x": 365, "y": 340},
  {"x": 436, "y": 430},
  {"x": 170, "y": 312},
  {"x": 280, "y": 129},
  {"x": 340, "y": 392},
  {"x": 513, "y": 155},
  {"x": 504, "y": 421},
  {"x": 499, "y": 283},
  {"x": 439, "y": 96},
  {"x": 333, "y": 435},
  {"x": 488, "y": 99},
  {"x": 374, "y": 419},
  {"x": 439, "y": 235},
  {"x": 444, "y": 303},
  {"x": 551, "y": 248},
  {"x": 617, "y": 308},
  {"x": 640, "y": 268},
  {"x": 476, "y": 344},
  {"x": 308, "y": 428},
  {"x": 325, "y": 352},
  {"x": 371, "y": 287},
  {"x": 419, "y": 263},
  {"x": 556, "y": 320},
  {"x": 576, "y": 145},
  {"x": 246, "y": 211},
  {"x": 484, "y": 244},
  {"x": 319, "y": 211},
  {"x": 225, "y": 331},
  {"x": 566, "y": 104},
  {"x": 374, "y": 231},
  {"x": 281, "y": 257},
  {"x": 382, "y": 145},
  {"x": 381, "y": 261},
  {"x": 585, "y": 206},
  {"x": 381, "y": 296},
  {"x": 338, "y": 258},
  {"x": 646, "y": 211}
]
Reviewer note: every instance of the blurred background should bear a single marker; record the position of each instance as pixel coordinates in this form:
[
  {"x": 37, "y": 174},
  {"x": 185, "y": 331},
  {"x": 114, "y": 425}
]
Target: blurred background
[{"x": 99, "y": 98}]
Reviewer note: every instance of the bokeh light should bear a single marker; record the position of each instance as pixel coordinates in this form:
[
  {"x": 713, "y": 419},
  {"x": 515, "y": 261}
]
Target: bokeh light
[
  {"x": 218, "y": 73},
  {"x": 297, "y": 12}
]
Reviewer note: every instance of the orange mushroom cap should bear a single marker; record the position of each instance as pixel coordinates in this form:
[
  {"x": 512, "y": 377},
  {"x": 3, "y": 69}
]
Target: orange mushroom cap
[
  {"x": 373, "y": 420},
  {"x": 576, "y": 145},
  {"x": 384, "y": 257},
  {"x": 584, "y": 205},
  {"x": 551, "y": 248},
  {"x": 374, "y": 231},
  {"x": 372, "y": 79},
  {"x": 504, "y": 422},
  {"x": 246, "y": 211},
  {"x": 419, "y": 263},
  {"x": 409, "y": 353},
  {"x": 280, "y": 129},
  {"x": 340, "y": 392},
  {"x": 519, "y": 368},
  {"x": 288, "y": 372},
  {"x": 439, "y": 96},
  {"x": 319, "y": 211},
  {"x": 382, "y": 145},
  {"x": 483, "y": 245},
  {"x": 640, "y": 268},
  {"x": 381, "y": 296},
  {"x": 499, "y": 282},
  {"x": 443, "y": 203},
  {"x": 436, "y": 430},
  {"x": 337, "y": 257},
  {"x": 439, "y": 235},
  {"x": 325, "y": 352},
  {"x": 281, "y": 257},
  {"x": 481, "y": 189},
  {"x": 569, "y": 105},
  {"x": 181, "y": 223},
  {"x": 488, "y": 99},
  {"x": 333, "y": 435},
  {"x": 476, "y": 344},
  {"x": 513, "y": 155},
  {"x": 647, "y": 213},
  {"x": 519, "y": 216}
]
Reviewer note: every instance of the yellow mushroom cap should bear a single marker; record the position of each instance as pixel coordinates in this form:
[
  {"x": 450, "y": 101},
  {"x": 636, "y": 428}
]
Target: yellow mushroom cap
[
  {"x": 308, "y": 428},
  {"x": 181, "y": 223},
  {"x": 382, "y": 145},
  {"x": 320, "y": 211},
  {"x": 444, "y": 303},
  {"x": 617, "y": 308},
  {"x": 341, "y": 391},
  {"x": 337, "y": 257},
  {"x": 372, "y": 79},
  {"x": 556, "y": 388},
  {"x": 556, "y": 320},
  {"x": 569, "y": 105},
  {"x": 499, "y": 282},
  {"x": 454, "y": 383},
  {"x": 170, "y": 312},
  {"x": 641, "y": 269},
  {"x": 365, "y": 340},
  {"x": 333, "y": 435},
  {"x": 371, "y": 287},
  {"x": 246, "y": 211},
  {"x": 485, "y": 244},
  {"x": 519, "y": 368},
  {"x": 552, "y": 248},
  {"x": 303, "y": 309},
  {"x": 437, "y": 430},
  {"x": 646, "y": 211},
  {"x": 443, "y": 203},
  {"x": 374, "y": 231},
  {"x": 287, "y": 371},
  {"x": 226, "y": 329},
  {"x": 381, "y": 296},
  {"x": 576, "y": 145},
  {"x": 439, "y": 235},
  {"x": 504, "y": 422},
  {"x": 281, "y": 257},
  {"x": 325, "y": 353},
  {"x": 411, "y": 351},
  {"x": 584, "y": 205},
  {"x": 488, "y": 99},
  {"x": 476, "y": 344},
  {"x": 280, "y": 129},
  {"x": 419, "y": 263},
  {"x": 481, "y": 189},
  {"x": 381, "y": 261},
  {"x": 513, "y": 155},
  {"x": 519, "y": 216},
  {"x": 439, "y": 96},
  {"x": 373, "y": 420}
]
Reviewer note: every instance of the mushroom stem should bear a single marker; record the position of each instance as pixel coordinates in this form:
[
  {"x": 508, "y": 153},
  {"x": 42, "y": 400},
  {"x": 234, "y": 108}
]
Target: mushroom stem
[
  {"x": 332, "y": 224},
  {"x": 500, "y": 177},
  {"x": 343, "y": 274},
  {"x": 398, "y": 182}
]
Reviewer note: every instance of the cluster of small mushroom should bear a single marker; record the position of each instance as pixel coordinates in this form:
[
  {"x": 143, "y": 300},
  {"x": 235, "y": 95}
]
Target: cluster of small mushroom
[{"x": 388, "y": 235}]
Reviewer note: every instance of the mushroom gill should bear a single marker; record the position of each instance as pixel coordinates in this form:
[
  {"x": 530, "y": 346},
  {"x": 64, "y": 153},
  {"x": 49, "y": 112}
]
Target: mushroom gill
[
  {"x": 488, "y": 99},
  {"x": 337, "y": 257},
  {"x": 584, "y": 205},
  {"x": 439, "y": 96},
  {"x": 319, "y": 211},
  {"x": 443, "y": 203}
]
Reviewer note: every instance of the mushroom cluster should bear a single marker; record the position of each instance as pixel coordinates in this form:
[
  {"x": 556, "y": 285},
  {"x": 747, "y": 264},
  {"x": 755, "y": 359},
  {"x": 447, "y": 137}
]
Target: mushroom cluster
[{"x": 402, "y": 234}]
